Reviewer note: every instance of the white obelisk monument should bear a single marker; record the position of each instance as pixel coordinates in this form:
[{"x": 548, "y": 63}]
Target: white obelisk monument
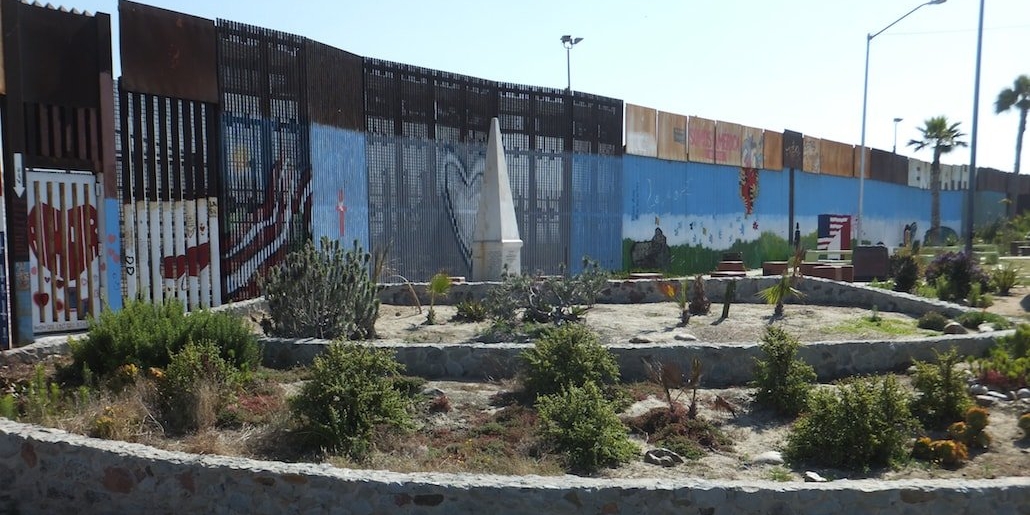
[{"x": 496, "y": 246}]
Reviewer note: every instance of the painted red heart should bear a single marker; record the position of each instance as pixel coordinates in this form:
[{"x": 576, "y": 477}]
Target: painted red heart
[
  {"x": 41, "y": 299},
  {"x": 71, "y": 234}
]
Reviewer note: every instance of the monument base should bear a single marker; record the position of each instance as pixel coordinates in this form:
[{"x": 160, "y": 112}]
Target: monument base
[{"x": 490, "y": 259}]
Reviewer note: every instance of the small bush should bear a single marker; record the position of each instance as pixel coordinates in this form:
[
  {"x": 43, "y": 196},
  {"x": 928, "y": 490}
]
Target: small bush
[
  {"x": 322, "y": 292},
  {"x": 349, "y": 395},
  {"x": 959, "y": 271},
  {"x": 977, "y": 298},
  {"x": 146, "y": 335},
  {"x": 582, "y": 425},
  {"x": 699, "y": 303},
  {"x": 942, "y": 396},
  {"x": 973, "y": 320},
  {"x": 1004, "y": 278},
  {"x": 470, "y": 311},
  {"x": 971, "y": 431},
  {"x": 863, "y": 423},
  {"x": 1024, "y": 424},
  {"x": 783, "y": 382},
  {"x": 196, "y": 387},
  {"x": 566, "y": 356},
  {"x": 904, "y": 269},
  {"x": 552, "y": 299},
  {"x": 948, "y": 453},
  {"x": 933, "y": 321},
  {"x": 1008, "y": 363}
]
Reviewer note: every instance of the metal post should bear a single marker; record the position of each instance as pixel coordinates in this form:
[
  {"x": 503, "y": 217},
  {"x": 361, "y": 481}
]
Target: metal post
[{"x": 972, "y": 135}]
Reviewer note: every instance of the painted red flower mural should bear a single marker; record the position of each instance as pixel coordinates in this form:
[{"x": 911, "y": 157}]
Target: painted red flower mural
[{"x": 748, "y": 188}]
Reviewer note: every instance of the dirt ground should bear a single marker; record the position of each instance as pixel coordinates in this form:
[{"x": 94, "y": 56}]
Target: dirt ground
[{"x": 752, "y": 430}]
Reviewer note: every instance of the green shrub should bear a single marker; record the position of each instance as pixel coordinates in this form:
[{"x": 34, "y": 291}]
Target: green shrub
[
  {"x": 977, "y": 298},
  {"x": 470, "y": 311},
  {"x": 323, "y": 292},
  {"x": 861, "y": 424},
  {"x": 933, "y": 321},
  {"x": 146, "y": 335},
  {"x": 350, "y": 394},
  {"x": 41, "y": 398},
  {"x": 942, "y": 397},
  {"x": 1004, "y": 278},
  {"x": 959, "y": 271},
  {"x": 783, "y": 382},
  {"x": 197, "y": 386},
  {"x": 1024, "y": 424},
  {"x": 1007, "y": 363},
  {"x": 973, "y": 320},
  {"x": 551, "y": 299},
  {"x": 904, "y": 269},
  {"x": 439, "y": 285},
  {"x": 8, "y": 406},
  {"x": 565, "y": 356},
  {"x": 582, "y": 425}
]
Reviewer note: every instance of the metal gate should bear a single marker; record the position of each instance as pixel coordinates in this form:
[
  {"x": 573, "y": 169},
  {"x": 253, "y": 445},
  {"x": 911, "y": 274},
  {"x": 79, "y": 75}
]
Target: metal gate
[{"x": 64, "y": 248}]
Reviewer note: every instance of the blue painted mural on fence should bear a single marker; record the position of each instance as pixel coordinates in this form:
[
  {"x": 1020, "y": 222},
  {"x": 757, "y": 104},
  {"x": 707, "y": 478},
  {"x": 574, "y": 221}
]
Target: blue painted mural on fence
[
  {"x": 112, "y": 259},
  {"x": 340, "y": 179},
  {"x": 596, "y": 220}
]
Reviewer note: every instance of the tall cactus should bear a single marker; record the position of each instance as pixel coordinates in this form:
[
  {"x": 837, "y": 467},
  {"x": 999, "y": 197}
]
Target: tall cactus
[{"x": 323, "y": 292}]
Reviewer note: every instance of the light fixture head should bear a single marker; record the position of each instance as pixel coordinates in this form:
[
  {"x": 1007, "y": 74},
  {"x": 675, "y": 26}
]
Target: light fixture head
[
  {"x": 896, "y": 120},
  {"x": 935, "y": 2},
  {"x": 577, "y": 40},
  {"x": 566, "y": 38}
]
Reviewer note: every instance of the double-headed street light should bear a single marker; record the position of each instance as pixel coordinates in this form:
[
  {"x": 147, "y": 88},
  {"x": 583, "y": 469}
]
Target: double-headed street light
[
  {"x": 568, "y": 42},
  {"x": 865, "y": 103}
]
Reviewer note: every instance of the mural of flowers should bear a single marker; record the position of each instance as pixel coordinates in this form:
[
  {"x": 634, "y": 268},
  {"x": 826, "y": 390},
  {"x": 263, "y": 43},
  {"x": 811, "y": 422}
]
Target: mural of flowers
[{"x": 748, "y": 188}]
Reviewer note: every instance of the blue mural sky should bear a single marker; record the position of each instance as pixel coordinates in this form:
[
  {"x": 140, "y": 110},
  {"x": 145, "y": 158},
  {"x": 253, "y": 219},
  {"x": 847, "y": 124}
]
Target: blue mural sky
[{"x": 794, "y": 64}]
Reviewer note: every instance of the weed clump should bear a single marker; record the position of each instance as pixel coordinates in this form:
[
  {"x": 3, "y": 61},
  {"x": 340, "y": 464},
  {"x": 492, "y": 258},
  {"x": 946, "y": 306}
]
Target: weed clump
[
  {"x": 932, "y": 321},
  {"x": 196, "y": 388}
]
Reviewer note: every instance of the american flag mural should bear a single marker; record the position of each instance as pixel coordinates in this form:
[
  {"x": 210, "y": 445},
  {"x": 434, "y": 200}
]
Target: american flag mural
[{"x": 834, "y": 232}]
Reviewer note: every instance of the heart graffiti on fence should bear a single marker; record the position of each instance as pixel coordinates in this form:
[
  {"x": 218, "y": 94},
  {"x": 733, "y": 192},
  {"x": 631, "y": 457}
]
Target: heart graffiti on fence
[
  {"x": 463, "y": 184},
  {"x": 65, "y": 241}
]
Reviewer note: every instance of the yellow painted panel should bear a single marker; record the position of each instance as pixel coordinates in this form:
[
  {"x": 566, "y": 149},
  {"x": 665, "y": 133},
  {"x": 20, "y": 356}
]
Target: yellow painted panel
[
  {"x": 811, "y": 155},
  {"x": 672, "y": 136},
  {"x": 752, "y": 148},
  {"x": 701, "y": 140},
  {"x": 773, "y": 150},
  {"x": 640, "y": 131},
  {"x": 728, "y": 138}
]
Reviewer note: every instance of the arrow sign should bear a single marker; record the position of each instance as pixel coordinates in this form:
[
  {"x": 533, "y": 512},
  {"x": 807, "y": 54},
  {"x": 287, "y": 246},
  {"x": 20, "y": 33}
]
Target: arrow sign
[{"x": 19, "y": 176}]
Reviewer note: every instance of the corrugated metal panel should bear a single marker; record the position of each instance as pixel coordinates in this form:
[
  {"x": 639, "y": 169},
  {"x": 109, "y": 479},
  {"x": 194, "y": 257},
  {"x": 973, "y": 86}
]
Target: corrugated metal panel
[
  {"x": 752, "y": 148},
  {"x": 167, "y": 53},
  {"x": 672, "y": 136},
  {"x": 641, "y": 123},
  {"x": 266, "y": 176},
  {"x": 728, "y": 139},
  {"x": 811, "y": 155},
  {"x": 793, "y": 150},
  {"x": 888, "y": 167},
  {"x": 701, "y": 140},
  {"x": 334, "y": 84},
  {"x": 773, "y": 150},
  {"x": 596, "y": 211}
]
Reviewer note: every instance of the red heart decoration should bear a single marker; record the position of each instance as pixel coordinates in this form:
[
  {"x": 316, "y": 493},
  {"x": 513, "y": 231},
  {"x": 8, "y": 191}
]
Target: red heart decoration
[
  {"x": 41, "y": 299},
  {"x": 71, "y": 234}
]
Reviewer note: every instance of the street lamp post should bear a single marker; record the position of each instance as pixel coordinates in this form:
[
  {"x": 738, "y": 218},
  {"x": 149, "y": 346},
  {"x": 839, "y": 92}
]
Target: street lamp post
[
  {"x": 568, "y": 42},
  {"x": 972, "y": 134},
  {"x": 896, "y": 121},
  {"x": 865, "y": 105}
]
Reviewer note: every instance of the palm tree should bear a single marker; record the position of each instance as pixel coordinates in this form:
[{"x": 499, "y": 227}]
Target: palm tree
[
  {"x": 943, "y": 138},
  {"x": 1017, "y": 96}
]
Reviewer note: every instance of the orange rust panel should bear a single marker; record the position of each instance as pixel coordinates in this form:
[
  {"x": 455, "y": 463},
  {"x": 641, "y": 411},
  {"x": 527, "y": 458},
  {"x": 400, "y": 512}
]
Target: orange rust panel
[
  {"x": 640, "y": 131},
  {"x": 672, "y": 136},
  {"x": 773, "y": 150},
  {"x": 728, "y": 138}
]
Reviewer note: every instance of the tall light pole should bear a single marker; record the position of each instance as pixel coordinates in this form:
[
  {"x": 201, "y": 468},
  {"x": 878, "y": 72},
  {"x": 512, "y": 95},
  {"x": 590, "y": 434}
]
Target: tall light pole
[
  {"x": 972, "y": 134},
  {"x": 896, "y": 121},
  {"x": 568, "y": 42},
  {"x": 865, "y": 104}
]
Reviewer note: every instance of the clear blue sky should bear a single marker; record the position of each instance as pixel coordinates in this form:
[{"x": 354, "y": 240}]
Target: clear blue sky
[{"x": 794, "y": 64}]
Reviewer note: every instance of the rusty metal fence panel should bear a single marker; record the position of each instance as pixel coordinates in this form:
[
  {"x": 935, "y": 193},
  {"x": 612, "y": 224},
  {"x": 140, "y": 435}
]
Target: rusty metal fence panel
[{"x": 266, "y": 177}]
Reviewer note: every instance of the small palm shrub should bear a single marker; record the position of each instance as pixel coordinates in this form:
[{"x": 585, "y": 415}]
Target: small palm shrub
[
  {"x": 942, "y": 396},
  {"x": 582, "y": 425},
  {"x": 470, "y": 311},
  {"x": 197, "y": 386},
  {"x": 1004, "y": 278},
  {"x": 904, "y": 269},
  {"x": 322, "y": 292},
  {"x": 861, "y": 424},
  {"x": 350, "y": 394},
  {"x": 783, "y": 382},
  {"x": 146, "y": 335},
  {"x": 779, "y": 293},
  {"x": 959, "y": 271},
  {"x": 933, "y": 321},
  {"x": 439, "y": 285},
  {"x": 566, "y": 356}
]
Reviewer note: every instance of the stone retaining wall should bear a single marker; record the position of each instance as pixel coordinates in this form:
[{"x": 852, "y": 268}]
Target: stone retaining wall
[
  {"x": 724, "y": 364},
  {"x": 817, "y": 291},
  {"x": 48, "y": 471}
]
